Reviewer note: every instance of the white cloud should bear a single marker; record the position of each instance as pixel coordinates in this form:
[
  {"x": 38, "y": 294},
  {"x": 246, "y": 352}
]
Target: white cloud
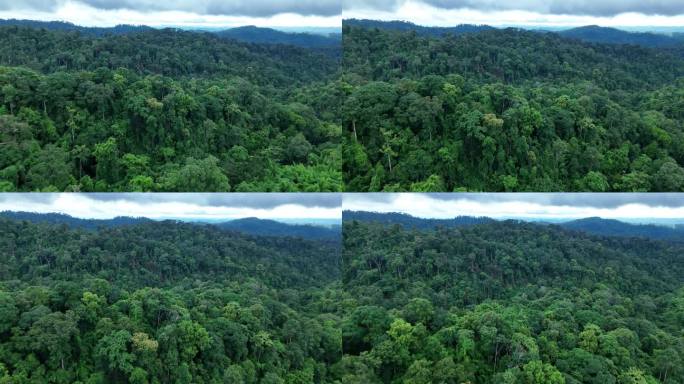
[
  {"x": 424, "y": 14},
  {"x": 83, "y": 206},
  {"x": 425, "y": 206},
  {"x": 84, "y": 15}
]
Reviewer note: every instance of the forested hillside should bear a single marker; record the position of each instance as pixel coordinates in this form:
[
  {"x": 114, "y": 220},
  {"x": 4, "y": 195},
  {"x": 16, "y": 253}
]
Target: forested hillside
[
  {"x": 419, "y": 29},
  {"x": 510, "y": 302},
  {"x": 588, "y": 33},
  {"x": 166, "y": 303},
  {"x": 606, "y": 227},
  {"x": 596, "y": 34},
  {"x": 254, "y": 34},
  {"x": 409, "y": 221},
  {"x": 251, "y": 225},
  {"x": 263, "y": 227},
  {"x": 165, "y": 110},
  {"x": 591, "y": 225},
  {"x": 66, "y": 26},
  {"x": 250, "y": 34},
  {"x": 509, "y": 110}
]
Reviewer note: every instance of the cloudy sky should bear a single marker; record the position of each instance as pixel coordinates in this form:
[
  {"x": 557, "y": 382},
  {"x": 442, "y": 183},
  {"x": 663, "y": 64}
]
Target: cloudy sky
[
  {"x": 291, "y": 207},
  {"x": 639, "y": 207},
  {"x": 625, "y": 13},
  {"x": 181, "y": 13}
]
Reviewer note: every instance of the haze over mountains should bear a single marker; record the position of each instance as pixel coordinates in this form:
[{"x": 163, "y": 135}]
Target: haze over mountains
[
  {"x": 249, "y": 34},
  {"x": 250, "y": 225},
  {"x": 591, "y": 225}
]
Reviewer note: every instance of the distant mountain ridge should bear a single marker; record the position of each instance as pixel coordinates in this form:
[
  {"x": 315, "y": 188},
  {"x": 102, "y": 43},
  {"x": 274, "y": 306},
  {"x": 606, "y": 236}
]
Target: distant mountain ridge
[
  {"x": 591, "y": 225},
  {"x": 606, "y": 35},
  {"x": 261, "y": 35},
  {"x": 421, "y": 30},
  {"x": 248, "y": 34},
  {"x": 66, "y": 26},
  {"x": 409, "y": 221},
  {"x": 74, "y": 222},
  {"x": 264, "y": 227},
  {"x": 611, "y": 227},
  {"x": 252, "y": 225},
  {"x": 589, "y": 33}
]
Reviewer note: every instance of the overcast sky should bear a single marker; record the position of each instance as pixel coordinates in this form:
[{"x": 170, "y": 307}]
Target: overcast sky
[
  {"x": 184, "y": 206},
  {"x": 182, "y": 13},
  {"x": 521, "y": 12},
  {"x": 551, "y": 206}
]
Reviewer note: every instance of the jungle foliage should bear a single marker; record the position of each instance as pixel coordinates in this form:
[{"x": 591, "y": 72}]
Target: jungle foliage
[
  {"x": 166, "y": 303},
  {"x": 510, "y": 302},
  {"x": 165, "y": 110},
  {"x": 509, "y": 110}
]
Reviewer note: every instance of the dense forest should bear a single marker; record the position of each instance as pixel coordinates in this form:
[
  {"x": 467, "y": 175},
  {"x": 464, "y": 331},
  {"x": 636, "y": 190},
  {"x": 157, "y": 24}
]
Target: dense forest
[
  {"x": 250, "y": 34},
  {"x": 510, "y": 302},
  {"x": 471, "y": 300},
  {"x": 591, "y": 225},
  {"x": 166, "y": 303},
  {"x": 165, "y": 110},
  {"x": 508, "y": 110},
  {"x": 588, "y": 33},
  {"x": 248, "y": 225}
]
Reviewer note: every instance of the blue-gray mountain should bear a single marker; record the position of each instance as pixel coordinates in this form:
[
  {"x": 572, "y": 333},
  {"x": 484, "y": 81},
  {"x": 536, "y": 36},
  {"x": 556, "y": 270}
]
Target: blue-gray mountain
[
  {"x": 252, "y": 226},
  {"x": 589, "y": 33},
  {"x": 249, "y": 34},
  {"x": 592, "y": 225}
]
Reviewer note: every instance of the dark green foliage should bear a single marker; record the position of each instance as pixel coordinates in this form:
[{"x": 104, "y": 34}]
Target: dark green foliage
[
  {"x": 167, "y": 52},
  {"x": 592, "y": 225},
  {"x": 419, "y": 29},
  {"x": 409, "y": 221},
  {"x": 249, "y": 34},
  {"x": 510, "y": 302},
  {"x": 509, "y": 110},
  {"x": 166, "y": 303},
  {"x": 72, "y": 222},
  {"x": 589, "y": 33},
  {"x": 66, "y": 26},
  {"x": 165, "y": 110},
  {"x": 252, "y": 226}
]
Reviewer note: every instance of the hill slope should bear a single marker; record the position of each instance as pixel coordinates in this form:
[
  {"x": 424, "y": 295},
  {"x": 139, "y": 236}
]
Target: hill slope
[
  {"x": 510, "y": 302},
  {"x": 419, "y": 29},
  {"x": 409, "y": 221},
  {"x": 259, "y": 35},
  {"x": 263, "y": 227},
  {"x": 588, "y": 33},
  {"x": 252, "y": 226},
  {"x": 163, "y": 302},
  {"x": 592, "y": 225},
  {"x": 509, "y": 110},
  {"x": 250, "y": 34},
  {"x": 170, "y": 110},
  {"x": 66, "y": 26},
  {"x": 605, "y": 227},
  {"x": 596, "y": 34},
  {"x": 73, "y": 222}
]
